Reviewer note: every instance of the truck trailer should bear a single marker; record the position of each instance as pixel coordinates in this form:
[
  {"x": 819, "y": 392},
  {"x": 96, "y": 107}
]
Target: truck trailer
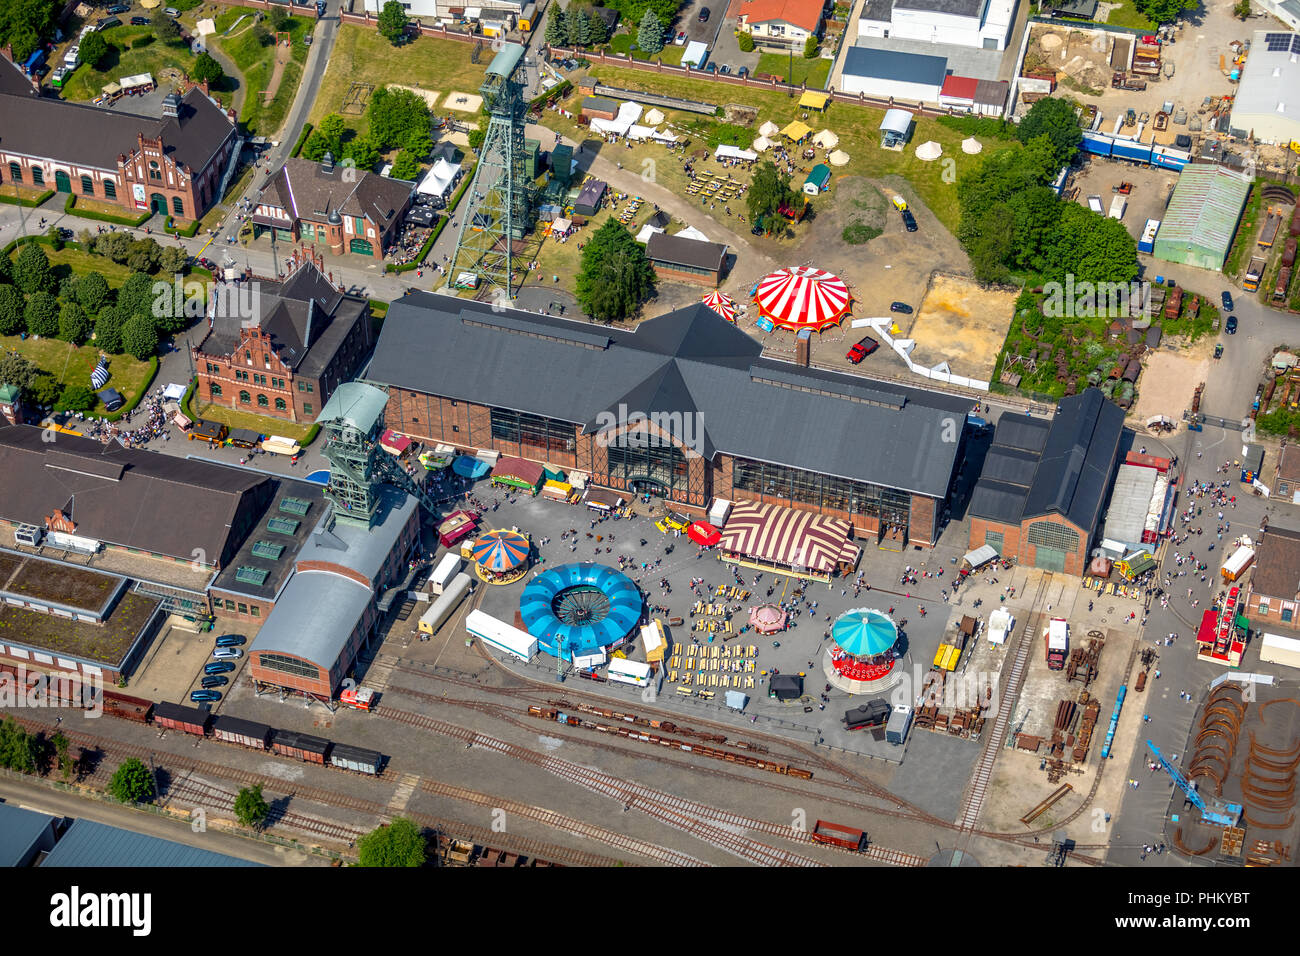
[
  {"x": 1254, "y": 272},
  {"x": 1057, "y": 638}
]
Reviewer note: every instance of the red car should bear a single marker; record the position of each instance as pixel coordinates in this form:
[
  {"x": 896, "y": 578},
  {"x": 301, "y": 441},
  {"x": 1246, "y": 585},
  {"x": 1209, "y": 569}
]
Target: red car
[{"x": 862, "y": 349}]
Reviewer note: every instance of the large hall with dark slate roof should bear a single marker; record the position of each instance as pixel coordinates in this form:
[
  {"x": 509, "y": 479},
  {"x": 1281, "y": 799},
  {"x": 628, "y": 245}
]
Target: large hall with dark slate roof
[{"x": 684, "y": 407}]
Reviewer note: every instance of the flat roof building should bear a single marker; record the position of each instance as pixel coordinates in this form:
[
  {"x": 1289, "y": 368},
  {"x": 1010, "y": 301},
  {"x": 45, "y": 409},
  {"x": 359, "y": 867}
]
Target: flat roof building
[
  {"x": 685, "y": 406},
  {"x": 889, "y": 73},
  {"x": 1266, "y": 107}
]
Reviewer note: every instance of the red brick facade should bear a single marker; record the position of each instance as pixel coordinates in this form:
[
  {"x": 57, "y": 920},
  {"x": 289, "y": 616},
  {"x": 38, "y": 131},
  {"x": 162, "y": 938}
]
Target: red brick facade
[{"x": 1016, "y": 541}]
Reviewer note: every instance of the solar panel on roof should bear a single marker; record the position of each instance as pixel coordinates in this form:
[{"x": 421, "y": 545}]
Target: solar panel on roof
[
  {"x": 295, "y": 506},
  {"x": 265, "y": 549},
  {"x": 250, "y": 575},
  {"x": 1295, "y": 43},
  {"x": 283, "y": 525},
  {"x": 1278, "y": 42}
]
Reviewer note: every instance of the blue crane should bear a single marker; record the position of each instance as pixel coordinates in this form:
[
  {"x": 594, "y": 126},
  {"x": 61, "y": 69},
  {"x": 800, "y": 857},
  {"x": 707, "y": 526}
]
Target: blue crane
[{"x": 1217, "y": 812}]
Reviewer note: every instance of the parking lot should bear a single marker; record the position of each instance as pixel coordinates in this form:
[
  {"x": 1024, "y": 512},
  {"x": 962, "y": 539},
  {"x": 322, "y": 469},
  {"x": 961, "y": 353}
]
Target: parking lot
[
  {"x": 173, "y": 666},
  {"x": 1152, "y": 188}
]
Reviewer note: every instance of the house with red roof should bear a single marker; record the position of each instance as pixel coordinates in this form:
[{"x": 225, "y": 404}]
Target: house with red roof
[{"x": 781, "y": 23}]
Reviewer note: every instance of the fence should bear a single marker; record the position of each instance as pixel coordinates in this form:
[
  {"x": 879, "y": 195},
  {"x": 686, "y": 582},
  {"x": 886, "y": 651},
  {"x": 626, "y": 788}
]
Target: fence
[{"x": 939, "y": 373}]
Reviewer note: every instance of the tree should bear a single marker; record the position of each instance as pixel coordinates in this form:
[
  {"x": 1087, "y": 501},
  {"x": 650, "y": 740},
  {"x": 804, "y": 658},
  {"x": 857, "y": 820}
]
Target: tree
[
  {"x": 173, "y": 260},
  {"x": 399, "y": 843},
  {"x": 6, "y": 270},
  {"x": 396, "y": 114},
  {"x": 263, "y": 36},
  {"x": 32, "y": 270},
  {"x": 45, "y": 390},
  {"x": 42, "y": 315},
  {"x": 419, "y": 142},
  {"x": 11, "y": 313},
  {"x": 62, "y": 754},
  {"x": 18, "y": 750},
  {"x": 992, "y": 245},
  {"x": 91, "y": 291},
  {"x": 205, "y": 68},
  {"x": 278, "y": 19},
  {"x": 140, "y": 337},
  {"x": 136, "y": 295},
  {"x": 405, "y": 166},
  {"x": 363, "y": 150},
  {"x": 108, "y": 330},
  {"x": 745, "y": 41},
  {"x": 330, "y": 136},
  {"x": 597, "y": 29},
  {"x": 24, "y": 23},
  {"x": 251, "y": 808},
  {"x": 1054, "y": 118},
  {"x": 114, "y": 245},
  {"x": 615, "y": 277},
  {"x": 74, "y": 324},
  {"x": 810, "y": 46},
  {"x": 1165, "y": 11},
  {"x": 477, "y": 135},
  {"x": 1093, "y": 247},
  {"x": 392, "y": 22},
  {"x": 579, "y": 27},
  {"x": 1242, "y": 10},
  {"x": 164, "y": 27},
  {"x": 14, "y": 369},
  {"x": 650, "y": 35},
  {"x": 93, "y": 49},
  {"x": 76, "y": 398},
  {"x": 769, "y": 191},
  {"x": 132, "y": 782},
  {"x": 144, "y": 255},
  {"x": 557, "y": 26}
]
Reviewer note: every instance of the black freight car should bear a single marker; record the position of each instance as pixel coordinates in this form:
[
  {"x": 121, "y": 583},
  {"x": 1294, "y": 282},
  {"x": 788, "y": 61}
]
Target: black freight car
[
  {"x": 357, "y": 759},
  {"x": 191, "y": 720},
  {"x": 246, "y": 733},
  {"x": 289, "y": 743},
  {"x": 129, "y": 708}
]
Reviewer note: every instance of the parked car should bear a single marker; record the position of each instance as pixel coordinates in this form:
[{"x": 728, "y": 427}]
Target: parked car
[
  {"x": 862, "y": 349},
  {"x": 909, "y": 220},
  {"x": 1227, "y": 302},
  {"x": 320, "y": 8},
  {"x": 1231, "y": 325},
  {"x": 204, "y": 696},
  {"x": 704, "y": 14},
  {"x": 215, "y": 681},
  {"x": 140, "y": 21},
  {"x": 743, "y": 71},
  {"x": 218, "y": 667},
  {"x": 227, "y": 653},
  {"x": 724, "y": 69},
  {"x": 900, "y": 307},
  {"x": 672, "y": 521},
  {"x": 230, "y": 640},
  {"x": 172, "y": 12},
  {"x": 117, "y": 8},
  {"x": 681, "y": 38},
  {"x": 108, "y": 23},
  {"x": 711, "y": 68}
]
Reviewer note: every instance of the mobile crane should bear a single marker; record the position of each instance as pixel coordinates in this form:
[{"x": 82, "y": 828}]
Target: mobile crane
[{"x": 1218, "y": 813}]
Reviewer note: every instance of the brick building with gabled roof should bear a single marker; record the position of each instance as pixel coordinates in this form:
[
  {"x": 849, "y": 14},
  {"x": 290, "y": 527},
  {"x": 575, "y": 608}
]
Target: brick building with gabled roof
[{"x": 344, "y": 208}]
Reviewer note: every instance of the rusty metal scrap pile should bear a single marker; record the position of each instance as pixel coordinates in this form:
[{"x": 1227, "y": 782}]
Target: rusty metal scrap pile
[{"x": 1268, "y": 784}]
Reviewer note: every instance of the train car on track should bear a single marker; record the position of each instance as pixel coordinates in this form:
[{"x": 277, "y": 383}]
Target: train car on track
[
  {"x": 833, "y": 834},
  {"x": 189, "y": 720},
  {"x": 357, "y": 759},
  {"x": 289, "y": 743},
  {"x": 128, "y": 708},
  {"x": 245, "y": 733}
]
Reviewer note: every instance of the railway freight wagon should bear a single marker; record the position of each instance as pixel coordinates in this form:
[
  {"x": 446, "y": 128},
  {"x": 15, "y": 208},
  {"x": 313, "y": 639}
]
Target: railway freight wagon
[
  {"x": 245, "y": 733},
  {"x": 129, "y": 708},
  {"x": 356, "y": 759},
  {"x": 188, "y": 720},
  {"x": 289, "y": 743}
]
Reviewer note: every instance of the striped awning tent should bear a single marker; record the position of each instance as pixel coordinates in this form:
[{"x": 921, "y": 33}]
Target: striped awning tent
[
  {"x": 99, "y": 377},
  {"x": 501, "y": 550},
  {"x": 803, "y": 298},
  {"x": 787, "y": 537}
]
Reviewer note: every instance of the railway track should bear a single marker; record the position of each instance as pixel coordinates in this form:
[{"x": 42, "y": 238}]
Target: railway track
[{"x": 204, "y": 794}]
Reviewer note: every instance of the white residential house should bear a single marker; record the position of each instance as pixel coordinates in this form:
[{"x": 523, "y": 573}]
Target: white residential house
[
  {"x": 984, "y": 24},
  {"x": 781, "y": 23}
]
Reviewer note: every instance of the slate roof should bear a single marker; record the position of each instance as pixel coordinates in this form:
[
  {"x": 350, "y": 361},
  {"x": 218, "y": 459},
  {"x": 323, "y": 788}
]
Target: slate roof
[
  {"x": 307, "y": 318},
  {"x": 307, "y": 191},
  {"x": 1277, "y": 564},
  {"x": 896, "y": 65},
  {"x": 1079, "y": 458},
  {"x": 674, "y": 250},
  {"x": 128, "y": 497},
  {"x": 691, "y": 362},
  {"x": 82, "y": 134}
]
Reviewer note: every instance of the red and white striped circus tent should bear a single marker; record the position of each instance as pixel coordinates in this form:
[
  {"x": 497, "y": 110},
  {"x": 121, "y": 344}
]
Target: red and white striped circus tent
[
  {"x": 807, "y": 544},
  {"x": 722, "y": 304},
  {"x": 803, "y": 298}
]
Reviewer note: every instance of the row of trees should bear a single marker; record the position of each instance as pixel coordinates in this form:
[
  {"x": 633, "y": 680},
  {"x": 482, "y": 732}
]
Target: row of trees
[
  {"x": 24, "y": 24},
  {"x": 578, "y": 26},
  {"x": 398, "y": 119},
  {"x": 1012, "y": 222}
]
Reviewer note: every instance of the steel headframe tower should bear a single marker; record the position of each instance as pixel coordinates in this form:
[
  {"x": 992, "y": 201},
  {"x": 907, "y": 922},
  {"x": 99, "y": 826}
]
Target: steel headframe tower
[{"x": 499, "y": 207}]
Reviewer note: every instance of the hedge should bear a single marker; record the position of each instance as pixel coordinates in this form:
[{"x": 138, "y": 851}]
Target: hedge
[
  {"x": 185, "y": 399},
  {"x": 29, "y": 203},
  {"x": 311, "y": 435},
  {"x": 71, "y": 204},
  {"x": 302, "y": 138},
  {"x": 144, "y": 390},
  {"x": 437, "y": 230},
  {"x": 188, "y": 232},
  {"x": 559, "y": 89}
]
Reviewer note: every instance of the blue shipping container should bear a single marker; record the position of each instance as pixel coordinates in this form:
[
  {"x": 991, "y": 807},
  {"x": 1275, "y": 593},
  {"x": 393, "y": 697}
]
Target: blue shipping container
[
  {"x": 1137, "y": 152},
  {"x": 1097, "y": 144},
  {"x": 33, "y": 61}
]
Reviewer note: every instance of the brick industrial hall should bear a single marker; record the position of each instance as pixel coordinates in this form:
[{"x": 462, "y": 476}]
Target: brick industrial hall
[{"x": 685, "y": 408}]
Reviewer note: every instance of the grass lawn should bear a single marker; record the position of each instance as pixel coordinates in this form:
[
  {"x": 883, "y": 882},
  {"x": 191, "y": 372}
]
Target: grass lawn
[
  {"x": 813, "y": 72},
  {"x": 73, "y": 364},
  {"x": 856, "y": 126},
  {"x": 623, "y": 43},
  {"x": 86, "y": 83},
  {"x": 25, "y": 193},
  {"x": 68, "y": 261},
  {"x": 263, "y": 425},
  {"x": 363, "y": 56},
  {"x": 257, "y": 64},
  {"x": 1126, "y": 15}
]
